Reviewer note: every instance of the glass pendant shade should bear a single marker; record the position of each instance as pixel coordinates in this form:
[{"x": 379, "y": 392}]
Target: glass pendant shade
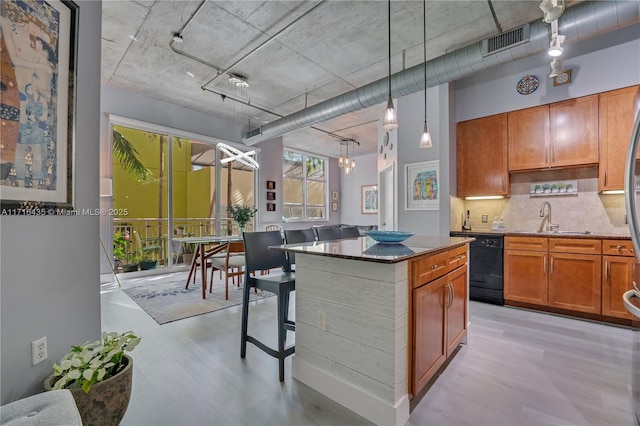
[
  {"x": 425, "y": 140},
  {"x": 390, "y": 121}
]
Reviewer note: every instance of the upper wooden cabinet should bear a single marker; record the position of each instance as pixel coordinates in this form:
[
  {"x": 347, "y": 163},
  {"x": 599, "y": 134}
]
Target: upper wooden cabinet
[
  {"x": 563, "y": 134},
  {"x": 618, "y": 109},
  {"x": 529, "y": 138},
  {"x": 482, "y": 156}
]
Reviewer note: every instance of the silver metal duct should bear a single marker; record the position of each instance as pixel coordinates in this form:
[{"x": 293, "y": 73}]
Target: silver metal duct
[{"x": 585, "y": 20}]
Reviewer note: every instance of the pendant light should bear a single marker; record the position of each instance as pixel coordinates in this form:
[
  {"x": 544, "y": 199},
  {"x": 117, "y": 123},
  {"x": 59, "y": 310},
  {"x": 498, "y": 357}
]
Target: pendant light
[
  {"x": 390, "y": 120},
  {"x": 425, "y": 140}
]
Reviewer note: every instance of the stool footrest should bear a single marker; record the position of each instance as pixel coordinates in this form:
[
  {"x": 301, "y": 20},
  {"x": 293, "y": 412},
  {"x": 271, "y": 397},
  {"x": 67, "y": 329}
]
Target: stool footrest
[{"x": 276, "y": 354}]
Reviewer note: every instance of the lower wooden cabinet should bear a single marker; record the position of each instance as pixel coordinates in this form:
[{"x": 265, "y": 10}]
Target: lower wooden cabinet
[
  {"x": 617, "y": 276},
  {"x": 525, "y": 276},
  {"x": 439, "y": 317},
  {"x": 574, "y": 282}
]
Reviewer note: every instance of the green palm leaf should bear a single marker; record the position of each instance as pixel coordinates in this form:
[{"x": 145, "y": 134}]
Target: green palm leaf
[{"x": 128, "y": 156}]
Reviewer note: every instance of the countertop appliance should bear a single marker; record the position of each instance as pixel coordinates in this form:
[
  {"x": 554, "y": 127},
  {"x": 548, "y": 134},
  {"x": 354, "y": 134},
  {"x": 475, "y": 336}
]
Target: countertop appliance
[
  {"x": 486, "y": 283},
  {"x": 632, "y": 296}
]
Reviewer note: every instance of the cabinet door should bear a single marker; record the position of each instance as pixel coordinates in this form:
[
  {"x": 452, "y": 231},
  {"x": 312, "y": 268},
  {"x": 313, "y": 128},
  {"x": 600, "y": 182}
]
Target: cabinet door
[
  {"x": 525, "y": 276},
  {"x": 617, "y": 278},
  {"x": 429, "y": 350},
  {"x": 575, "y": 282},
  {"x": 529, "y": 138},
  {"x": 617, "y": 112},
  {"x": 574, "y": 131},
  {"x": 457, "y": 308},
  {"x": 482, "y": 156}
]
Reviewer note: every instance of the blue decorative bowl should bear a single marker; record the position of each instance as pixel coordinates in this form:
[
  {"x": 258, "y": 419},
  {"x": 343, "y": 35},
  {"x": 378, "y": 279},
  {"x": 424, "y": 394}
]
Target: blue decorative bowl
[{"x": 389, "y": 237}]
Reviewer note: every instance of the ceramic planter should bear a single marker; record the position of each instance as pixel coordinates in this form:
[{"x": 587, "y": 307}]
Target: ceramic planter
[
  {"x": 107, "y": 401},
  {"x": 148, "y": 264}
]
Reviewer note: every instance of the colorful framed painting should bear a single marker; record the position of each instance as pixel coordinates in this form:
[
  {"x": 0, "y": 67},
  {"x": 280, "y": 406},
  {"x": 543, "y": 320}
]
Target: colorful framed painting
[
  {"x": 369, "y": 199},
  {"x": 39, "y": 45},
  {"x": 422, "y": 187}
]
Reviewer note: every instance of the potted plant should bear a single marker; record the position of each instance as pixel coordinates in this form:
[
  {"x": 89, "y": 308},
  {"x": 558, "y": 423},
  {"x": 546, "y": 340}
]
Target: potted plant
[
  {"x": 187, "y": 252},
  {"x": 99, "y": 375},
  {"x": 133, "y": 259},
  {"x": 120, "y": 240},
  {"x": 148, "y": 258},
  {"x": 242, "y": 215}
]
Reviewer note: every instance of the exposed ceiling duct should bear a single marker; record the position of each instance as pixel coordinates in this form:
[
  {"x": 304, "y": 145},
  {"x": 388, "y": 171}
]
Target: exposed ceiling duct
[{"x": 585, "y": 20}]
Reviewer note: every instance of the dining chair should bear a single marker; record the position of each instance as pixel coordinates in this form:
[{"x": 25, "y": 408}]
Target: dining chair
[
  {"x": 293, "y": 236},
  {"x": 273, "y": 228},
  {"x": 258, "y": 257},
  {"x": 230, "y": 265},
  {"x": 324, "y": 233},
  {"x": 349, "y": 232}
]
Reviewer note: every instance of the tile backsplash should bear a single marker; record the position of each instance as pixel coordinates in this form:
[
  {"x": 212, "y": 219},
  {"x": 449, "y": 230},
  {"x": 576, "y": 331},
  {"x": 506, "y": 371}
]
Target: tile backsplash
[{"x": 585, "y": 211}]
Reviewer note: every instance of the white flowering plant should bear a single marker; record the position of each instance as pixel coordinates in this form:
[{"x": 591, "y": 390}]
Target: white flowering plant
[{"x": 95, "y": 361}]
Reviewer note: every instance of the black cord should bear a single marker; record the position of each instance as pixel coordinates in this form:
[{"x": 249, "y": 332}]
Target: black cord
[
  {"x": 389, "y": 47},
  {"x": 424, "y": 5}
]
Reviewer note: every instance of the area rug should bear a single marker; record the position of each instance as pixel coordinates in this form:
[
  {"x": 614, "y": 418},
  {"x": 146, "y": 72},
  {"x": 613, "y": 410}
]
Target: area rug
[{"x": 166, "y": 300}]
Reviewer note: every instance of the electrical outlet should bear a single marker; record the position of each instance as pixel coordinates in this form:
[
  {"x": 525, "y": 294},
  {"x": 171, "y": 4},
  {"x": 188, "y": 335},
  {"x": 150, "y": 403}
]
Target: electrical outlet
[
  {"x": 485, "y": 218},
  {"x": 39, "y": 350},
  {"x": 322, "y": 320}
]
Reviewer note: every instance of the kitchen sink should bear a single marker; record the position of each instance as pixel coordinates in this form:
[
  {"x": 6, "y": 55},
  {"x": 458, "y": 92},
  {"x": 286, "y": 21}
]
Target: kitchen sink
[{"x": 564, "y": 232}]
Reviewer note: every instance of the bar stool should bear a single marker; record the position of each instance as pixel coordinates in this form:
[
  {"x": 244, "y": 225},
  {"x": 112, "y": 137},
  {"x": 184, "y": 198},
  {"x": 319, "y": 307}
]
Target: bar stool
[
  {"x": 293, "y": 236},
  {"x": 257, "y": 258}
]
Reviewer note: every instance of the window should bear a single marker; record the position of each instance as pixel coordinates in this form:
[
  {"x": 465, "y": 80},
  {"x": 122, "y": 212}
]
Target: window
[{"x": 304, "y": 187}]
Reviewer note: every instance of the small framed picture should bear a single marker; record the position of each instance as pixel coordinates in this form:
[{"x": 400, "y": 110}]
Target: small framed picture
[
  {"x": 562, "y": 78},
  {"x": 369, "y": 199},
  {"x": 334, "y": 195},
  {"x": 334, "y": 206},
  {"x": 271, "y": 207},
  {"x": 271, "y": 184},
  {"x": 271, "y": 195}
]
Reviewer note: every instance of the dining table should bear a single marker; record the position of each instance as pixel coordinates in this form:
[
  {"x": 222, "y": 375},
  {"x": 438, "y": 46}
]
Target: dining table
[{"x": 219, "y": 241}]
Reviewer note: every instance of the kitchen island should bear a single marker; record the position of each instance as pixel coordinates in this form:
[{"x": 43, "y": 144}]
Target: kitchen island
[{"x": 375, "y": 322}]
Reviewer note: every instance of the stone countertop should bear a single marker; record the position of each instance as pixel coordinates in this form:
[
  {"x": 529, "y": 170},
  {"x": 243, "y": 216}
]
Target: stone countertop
[
  {"x": 366, "y": 249},
  {"x": 545, "y": 234}
]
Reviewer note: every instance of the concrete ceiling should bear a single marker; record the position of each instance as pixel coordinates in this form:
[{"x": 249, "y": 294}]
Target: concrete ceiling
[{"x": 338, "y": 46}]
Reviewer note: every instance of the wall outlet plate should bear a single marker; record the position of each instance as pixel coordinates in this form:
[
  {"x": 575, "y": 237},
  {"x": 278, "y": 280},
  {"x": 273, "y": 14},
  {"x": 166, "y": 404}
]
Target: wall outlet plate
[
  {"x": 38, "y": 350},
  {"x": 485, "y": 218}
]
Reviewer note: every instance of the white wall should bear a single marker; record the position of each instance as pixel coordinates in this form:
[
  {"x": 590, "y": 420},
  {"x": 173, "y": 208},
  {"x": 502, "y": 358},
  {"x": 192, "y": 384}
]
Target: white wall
[
  {"x": 350, "y": 200},
  {"x": 49, "y": 265}
]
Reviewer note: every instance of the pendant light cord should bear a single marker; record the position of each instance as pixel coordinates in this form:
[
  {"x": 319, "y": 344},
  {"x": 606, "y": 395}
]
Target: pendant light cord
[
  {"x": 424, "y": 5},
  {"x": 389, "y": 47}
]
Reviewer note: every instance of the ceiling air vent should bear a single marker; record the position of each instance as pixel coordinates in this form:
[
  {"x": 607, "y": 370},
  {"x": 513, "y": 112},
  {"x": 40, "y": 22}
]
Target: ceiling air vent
[
  {"x": 505, "y": 40},
  {"x": 251, "y": 133}
]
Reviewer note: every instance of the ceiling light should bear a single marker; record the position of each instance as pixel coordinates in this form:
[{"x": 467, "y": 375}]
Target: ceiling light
[
  {"x": 555, "y": 48},
  {"x": 555, "y": 68},
  {"x": 190, "y": 74},
  {"x": 425, "y": 140},
  {"x": 485, "y": 197},
  {"x": 238, "y": 80},
  {"x": 552, "y": 10},
  {"x": 346, "y": 163},
  {"x": 234, "y": 154},
  {"x": 177, "y": 38},
  {"x": 390, "y": 120}
]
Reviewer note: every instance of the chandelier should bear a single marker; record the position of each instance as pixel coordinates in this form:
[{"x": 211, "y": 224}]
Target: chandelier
[{"x": 345, "y": 162}]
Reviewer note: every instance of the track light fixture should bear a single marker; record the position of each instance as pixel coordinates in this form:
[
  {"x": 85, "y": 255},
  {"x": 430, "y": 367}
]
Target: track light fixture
[
  {"x": 555, "y": 47},
  {"x": 552, "y": 9},
  {"x": 346, "y": 163},
  {"x": 555, "y": 68}
]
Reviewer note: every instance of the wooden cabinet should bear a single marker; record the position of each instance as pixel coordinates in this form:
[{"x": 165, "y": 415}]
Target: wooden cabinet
[
  {"x": 529, "y": 138},
  {"x": 482, "y": 156},
  {"x": 573, "y": 126},
  {"x": 429, "y": 316},
  {"x": 525, "y": 276},
  {"x": 438, "y": 314},
  {"x": 562, "y": 134},
  {"x": 617, "y": 112},
  {"x": 574, "y": 282},
  {"x": 617, "y": 276}
]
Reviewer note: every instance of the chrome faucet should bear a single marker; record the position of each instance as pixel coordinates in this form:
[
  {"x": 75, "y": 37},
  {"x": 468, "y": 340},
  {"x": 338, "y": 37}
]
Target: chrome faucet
[{"x": 550, "y": 226}]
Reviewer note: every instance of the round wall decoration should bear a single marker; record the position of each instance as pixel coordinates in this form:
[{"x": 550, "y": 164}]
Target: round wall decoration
[{"x": 527, "y": 84}]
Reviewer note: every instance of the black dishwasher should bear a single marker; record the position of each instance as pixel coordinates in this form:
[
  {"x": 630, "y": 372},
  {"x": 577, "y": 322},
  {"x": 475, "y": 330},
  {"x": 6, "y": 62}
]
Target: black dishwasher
[{"x": 486, "y": 282}]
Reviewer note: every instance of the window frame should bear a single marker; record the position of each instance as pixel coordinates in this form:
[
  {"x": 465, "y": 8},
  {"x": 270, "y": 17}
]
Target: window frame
[{"x": 305, "y": 181}]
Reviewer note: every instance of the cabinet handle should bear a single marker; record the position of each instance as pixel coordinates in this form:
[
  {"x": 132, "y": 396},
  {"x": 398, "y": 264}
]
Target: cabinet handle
[
  {"x": 619, "y": 248},
  {"x": 450, "y": 289},
  {"x": 605, "y": 177},
  {"x": 544, "y": 265},
  {"x": 551, "y": 269},
  {"x": 546, "y": 155},
  {"x": 453, "y": 295},
  {"x": 606, "y": 270},
  {"x": 434, "y": 267},
  {"x": 553, "y": 153}
]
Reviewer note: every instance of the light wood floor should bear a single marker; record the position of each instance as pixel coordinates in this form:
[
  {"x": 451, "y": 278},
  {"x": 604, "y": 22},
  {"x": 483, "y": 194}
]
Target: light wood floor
[{"x": 519, "y": 368}]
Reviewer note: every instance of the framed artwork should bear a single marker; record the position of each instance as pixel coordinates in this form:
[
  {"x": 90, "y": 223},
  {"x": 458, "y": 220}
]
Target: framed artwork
[
  {"x": 562, "y": 78},
  {"x": 334, "y": 206},
  {"x": 271, "y": 184},
  {"x": 369, "y": 199},
  {"x": 271, "y": 207},
  {"x": 422, "y": 189},
  {"x": 271, "y": 195},
  {"x": 334, "y": 195},
  {"x": 38, "y": 105}
]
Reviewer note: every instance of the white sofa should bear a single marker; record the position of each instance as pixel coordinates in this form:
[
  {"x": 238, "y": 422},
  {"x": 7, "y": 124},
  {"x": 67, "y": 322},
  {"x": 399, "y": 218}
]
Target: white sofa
[{"x": 44, "y": 409}]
